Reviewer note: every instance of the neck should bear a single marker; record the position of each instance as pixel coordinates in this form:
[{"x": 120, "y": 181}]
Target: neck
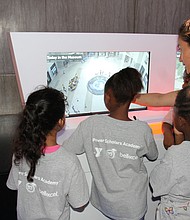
[
  {"x": 120, "y": 113},
  {"x": 120, "y": 117},
  {"x": 186, "y": 132},
  {"x": 51, "y": 140},
  {"x": 187, "y": 137}
]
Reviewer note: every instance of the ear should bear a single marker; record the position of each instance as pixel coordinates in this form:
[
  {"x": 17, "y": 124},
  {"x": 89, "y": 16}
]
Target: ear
[
  {"x": 135, "y": 97},
  {"x": 107, "y": 96},
  {"x": 61, "y": 122},
  {"x": 182, "y": 121},
  {"x": 109, "y": 93}
]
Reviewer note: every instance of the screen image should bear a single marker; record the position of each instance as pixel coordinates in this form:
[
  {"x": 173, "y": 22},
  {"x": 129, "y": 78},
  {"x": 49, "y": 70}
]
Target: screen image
[
  {"x": 81, "y": 76},
  {"x": 179, "y": 73}
]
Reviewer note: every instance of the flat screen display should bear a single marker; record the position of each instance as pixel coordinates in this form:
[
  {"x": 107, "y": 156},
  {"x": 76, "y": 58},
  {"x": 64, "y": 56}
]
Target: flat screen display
[{"x": 81, "y": 76}]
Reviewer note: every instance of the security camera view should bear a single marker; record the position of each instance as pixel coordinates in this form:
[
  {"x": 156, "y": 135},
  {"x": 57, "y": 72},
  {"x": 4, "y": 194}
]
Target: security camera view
[{"x": 81, "y": 76}]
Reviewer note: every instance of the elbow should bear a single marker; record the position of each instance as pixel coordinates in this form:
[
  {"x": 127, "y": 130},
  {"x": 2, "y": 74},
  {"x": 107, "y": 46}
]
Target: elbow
[{"x": 80, "y": 209}]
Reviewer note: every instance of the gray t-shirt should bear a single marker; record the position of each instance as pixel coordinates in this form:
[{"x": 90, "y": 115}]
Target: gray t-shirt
[
  {"x": 59, "y": 182},
  {"x": 115, "y": 151},
  {"x": 172, "y": 176}
]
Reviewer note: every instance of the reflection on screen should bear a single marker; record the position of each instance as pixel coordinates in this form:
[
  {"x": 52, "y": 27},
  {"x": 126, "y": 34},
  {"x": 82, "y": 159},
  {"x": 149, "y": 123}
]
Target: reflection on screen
[{"x": 81, "y": 76}]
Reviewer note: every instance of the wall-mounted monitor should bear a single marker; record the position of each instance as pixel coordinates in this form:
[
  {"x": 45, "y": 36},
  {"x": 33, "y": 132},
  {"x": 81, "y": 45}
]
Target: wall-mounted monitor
[
  {"x": 81, "y": 76},
  {"x": 39, "y": 59}
]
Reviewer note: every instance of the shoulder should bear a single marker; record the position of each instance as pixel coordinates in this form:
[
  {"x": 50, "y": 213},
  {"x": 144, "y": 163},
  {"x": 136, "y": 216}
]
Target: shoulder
[
  {"x": 177, "y": 153},
  {"x": 94, "y": 119},
  {"x": 67, "y": 156},
  {"x": 176, "y": 156},
  {"x": 143, "y": 124},
  {"x": 180, "y": 149}
]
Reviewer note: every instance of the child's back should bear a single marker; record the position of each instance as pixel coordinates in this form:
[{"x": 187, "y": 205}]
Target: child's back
[
  {"x": 115, "y": 150},
  {"x": 48, "y": 178},
  {"x": 171, "y": 178},
  {"x": 115, "y": 146},
  {"x": 54, "y": 187}
]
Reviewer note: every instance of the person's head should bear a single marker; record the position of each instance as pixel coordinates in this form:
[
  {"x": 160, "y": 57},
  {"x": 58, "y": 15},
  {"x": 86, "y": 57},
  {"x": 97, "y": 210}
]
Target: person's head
[
  {"x": 122, "y": 87},
  {"x": 43, "y": 115},
  {"x": 184, "y": 44},
  {"x": 182, "y": 110},
  {"x": 45, "y": 108}
]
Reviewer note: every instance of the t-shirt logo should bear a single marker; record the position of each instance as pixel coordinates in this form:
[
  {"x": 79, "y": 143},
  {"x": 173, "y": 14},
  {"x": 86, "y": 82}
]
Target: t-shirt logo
[
  {"x": 98, "y": 151},
  {"x": 111, "y": 153},
  {"x": 30, "y": 187}
]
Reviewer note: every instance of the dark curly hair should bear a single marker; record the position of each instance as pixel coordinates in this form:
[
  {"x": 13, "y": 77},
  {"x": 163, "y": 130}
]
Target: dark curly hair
[
  {"x": 42, "y": 111},
  {"x": 182, "y": 103},
  {"x": 125, "y": 84}
]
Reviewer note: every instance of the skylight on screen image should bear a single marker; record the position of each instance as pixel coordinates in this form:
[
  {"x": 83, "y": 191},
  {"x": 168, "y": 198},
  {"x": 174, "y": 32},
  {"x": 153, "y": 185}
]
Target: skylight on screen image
[{"x": 81, "y": 76}]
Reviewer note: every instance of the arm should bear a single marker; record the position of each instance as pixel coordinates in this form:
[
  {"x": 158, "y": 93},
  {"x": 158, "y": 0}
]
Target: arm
[
  {"x": 151, "y": 147},
  {"x": 156, "y": 99},
  {"x": 162, "y": 178},
  {"x": 179, "y": 137},
  {"x": 75, "y": 142},
  {"x": 12, "y": 181},
  {"x": 78, "y": 195},
  {"x": 80, "y": 209},
  {"x": 171, "y": 134},
  {"x": 167, "y": 130}
]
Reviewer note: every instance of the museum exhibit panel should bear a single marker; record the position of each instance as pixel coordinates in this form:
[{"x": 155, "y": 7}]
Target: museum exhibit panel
[{"x": 78, "y": 64}]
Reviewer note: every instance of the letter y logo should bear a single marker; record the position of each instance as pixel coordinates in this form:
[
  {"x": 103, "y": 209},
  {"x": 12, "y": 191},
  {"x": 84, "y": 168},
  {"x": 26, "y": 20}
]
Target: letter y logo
[{"x": 98, "y": 151}]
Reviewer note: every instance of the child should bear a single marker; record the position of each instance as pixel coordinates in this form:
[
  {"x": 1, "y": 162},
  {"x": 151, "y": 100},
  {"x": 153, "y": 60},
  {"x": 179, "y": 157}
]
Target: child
[
  {"x": 171, "y": 178},
  {"x": 171, "y": 134},
  {"x": 115, "y": 146},
  {"x": 48, "y": 178}
]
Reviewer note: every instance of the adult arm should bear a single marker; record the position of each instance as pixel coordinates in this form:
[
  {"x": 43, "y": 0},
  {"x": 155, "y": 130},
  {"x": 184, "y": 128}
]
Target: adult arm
[{"x": 156, "y": 99}]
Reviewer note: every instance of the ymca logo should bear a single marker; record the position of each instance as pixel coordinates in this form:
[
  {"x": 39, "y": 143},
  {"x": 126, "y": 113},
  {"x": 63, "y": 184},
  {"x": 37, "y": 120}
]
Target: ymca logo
[
  {"x": 98, "y": 151},
  {"x": 109, "y": 153}
]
